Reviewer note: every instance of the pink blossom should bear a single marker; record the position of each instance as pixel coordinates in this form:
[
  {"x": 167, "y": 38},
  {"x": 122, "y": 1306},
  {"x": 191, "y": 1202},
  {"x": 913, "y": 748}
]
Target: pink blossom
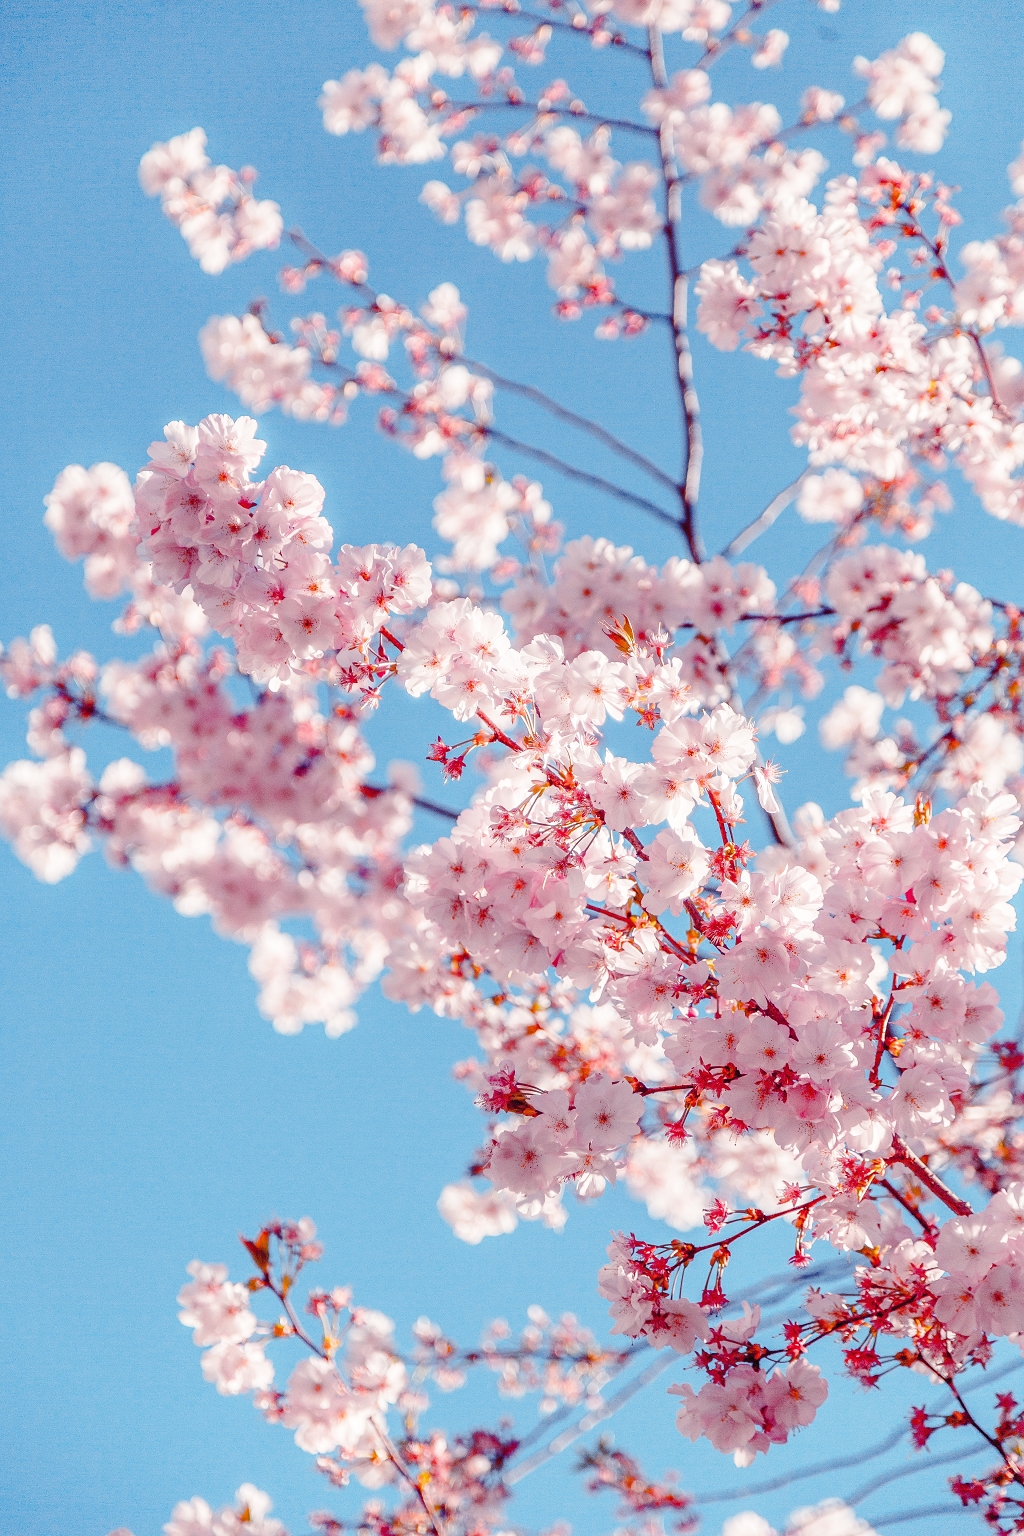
[
  {"x": 526, "y": 1161},
  {"x": 211, "y": 205},
  {"x": 677, "y": 867}
]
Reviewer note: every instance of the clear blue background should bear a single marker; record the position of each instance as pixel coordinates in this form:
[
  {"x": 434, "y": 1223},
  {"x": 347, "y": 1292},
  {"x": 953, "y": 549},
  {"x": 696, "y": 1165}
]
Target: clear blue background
[{"x": 149, "y": 1112}]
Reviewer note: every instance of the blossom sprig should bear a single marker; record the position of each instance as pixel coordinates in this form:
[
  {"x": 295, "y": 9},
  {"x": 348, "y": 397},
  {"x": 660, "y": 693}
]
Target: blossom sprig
[
  {"x": 610, "y": 1468},
  {"x": 338, "y": 1397},
  {"x": 997, "y": 1495}
]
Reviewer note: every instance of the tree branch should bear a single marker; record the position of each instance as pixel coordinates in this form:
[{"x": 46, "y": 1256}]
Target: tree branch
[
  {"x": 894, "y": 1474},
  {"x": 737, "y": 33},
  {"x": 608, "y": 487},
  {"x": 583, "y": 423},
  {"x": 622, "y": 123},
  {"x": 509, "y": 10},
  {"x": 902, "y": 1154},
  {"x": 693, "y": 442},
  {"x": 764, "y": 521},
  {"x": 583, "y": 1426}
]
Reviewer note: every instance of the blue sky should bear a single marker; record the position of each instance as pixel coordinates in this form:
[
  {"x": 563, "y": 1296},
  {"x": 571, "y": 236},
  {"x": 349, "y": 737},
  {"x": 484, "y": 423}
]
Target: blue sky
[{"x": 150, "y": 1113}]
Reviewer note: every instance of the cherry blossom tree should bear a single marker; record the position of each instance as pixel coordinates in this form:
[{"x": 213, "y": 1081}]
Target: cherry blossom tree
[{"x": 755, "y": 1016}]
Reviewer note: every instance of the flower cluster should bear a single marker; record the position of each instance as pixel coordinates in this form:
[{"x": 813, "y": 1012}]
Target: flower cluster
[
  {"x": 773, "y": 1008},
  {"x": 337, "y": 1398},
  {"x": 91, "y": 514},
  {"x": 213, "y": 206},
  {"x": 595, "y": 582},
  {"x": 884, "y": 393},
  {"x": 248, "y": 1516},
  {"x": 263, "y": 370},
  {"x": 256, "y": 556},
  {"x": 903, "y": 83}
]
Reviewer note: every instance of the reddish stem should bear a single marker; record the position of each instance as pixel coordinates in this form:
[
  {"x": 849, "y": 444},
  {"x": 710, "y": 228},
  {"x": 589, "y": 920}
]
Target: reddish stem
[
  {"x": 635, "y": 843},
  {"x": 883, "y": 1027},
  {"x": 498, "y": 733},
  {"x": 901, "y": 1153},
  {"x": 774, "y": 1012}
]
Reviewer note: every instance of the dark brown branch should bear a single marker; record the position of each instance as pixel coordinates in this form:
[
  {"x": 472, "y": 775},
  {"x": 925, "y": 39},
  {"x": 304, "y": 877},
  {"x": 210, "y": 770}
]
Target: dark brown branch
[
  {"x": 693, "y": 442},
  {"x": 435, "y": 809}
]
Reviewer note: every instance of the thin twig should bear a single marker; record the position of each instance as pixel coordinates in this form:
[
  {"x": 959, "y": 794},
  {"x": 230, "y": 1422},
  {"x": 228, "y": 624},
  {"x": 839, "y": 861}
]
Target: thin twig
[
  {"x": 583, "y": 1426},
  {"x": 923, "y": 1464},
  {"x": 608, "y": 487},
  {"x": 530, "y": 392},
  {"x": 510, "y": 11},
  {"x": 943, "y": 273},
  {"x": 1013, "y": 1470},
  {"x": 737, "y": 33},
  {"x": 406, "y": 1475},
  {"x": 918, "y": 1514},
  {"x": 621, "y": 123},
  {"x": 481, "y": 429}
]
